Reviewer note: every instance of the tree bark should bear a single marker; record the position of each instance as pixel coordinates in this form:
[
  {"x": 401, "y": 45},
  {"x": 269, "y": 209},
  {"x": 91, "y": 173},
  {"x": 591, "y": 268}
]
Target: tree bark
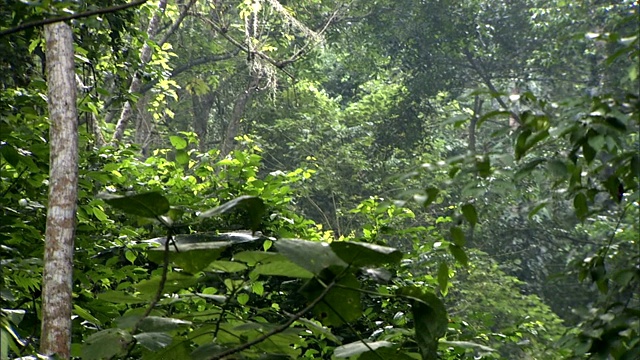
[
  {"x": 63, "y": 185},
  {"x": 477, "y": 106},
  {"x": 202, "y": 105},
  {"x": 136, "y": 81},
  {"x": 238, "y": 110}
]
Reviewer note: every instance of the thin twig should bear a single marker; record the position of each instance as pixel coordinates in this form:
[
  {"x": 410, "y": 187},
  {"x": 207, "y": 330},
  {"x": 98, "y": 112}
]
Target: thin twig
[{"x": 85, "y": 14}]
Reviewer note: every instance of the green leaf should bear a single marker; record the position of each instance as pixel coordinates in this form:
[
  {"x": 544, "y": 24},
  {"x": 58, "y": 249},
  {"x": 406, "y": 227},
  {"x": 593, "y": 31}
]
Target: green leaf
[
  {"x": 190, "y": 257},
  {"x": 226, "y": 266},
  {"x": 178, "y": 142},
  {"x": 521, "y": 142},
  {"x": 254, "y": 206},
  {"x": 457, "y": 235},
  {"x": 282, "y": 268},
  {"x": 182, "y": 157},
  {"x": 597, "y": 142},
  {"x": 175, "y": 281},
  {"x": 257, "y": 257},
  {"x": 580, "y": 205},
  {"x": 466, "y": 345},
  {"x": 319, "y": 330},
  {"x": 161, "y": 324},
  {"x": 153, "y": 341},
  {"x": 616, "y": 123},
  {"x": 537, "y": 209},
  {"x": 149, "y": 205},
  {"x": 86, "y": 315},
  {"x": 443, "y": 278},
  {"x": 358, "y": 347},
  {"x": 459, "y": 254},
  {"x": 612, "y": 184},
  {"x": 106, "y": 344},
  {"x": 527, "y": 168},
  {"x": 196, "y": 251},
  {"x": 558, "y": 168},
  {"x": 432, "y": 195},
  {"x": 588, "y": 152},
  {"x": 363, "y": 254},
  {"x": 469, "y": 212},
  {"x": 430, "y": 318},
  {"x": 120, "y": 297},
  {"x": 483, "y": 166},
  {"x": 10, "y": 154},
  {"x": 310, "y": 255},
  {"x": 342, "y": 304}
]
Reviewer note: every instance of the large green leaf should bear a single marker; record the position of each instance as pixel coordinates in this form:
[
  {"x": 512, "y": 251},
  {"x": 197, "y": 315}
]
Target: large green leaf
[
  {"x": 319, "y": 329},
  {"x": 359, "y": 347},
  {"x": 161, "y": 324},
  {"x": 153, "y": 341},
  {"x": 430, "y": 318},
  {"x": 178, "y": 142},
  {"x": 282, "y": 268},
  {"x": 311, "y": 255},
  {"x": 106, "y": 344},
  {"x": 457, "y": 235},
  {"x": 175, "y": 281},
  {"x": 10, "y": 154},
  {"x": 466, "y": 345},
  {"x": 459, "y": 254},
  {"x": 149, "y": 205},
  {"x": 254, "y": 206},
  {"x": 580, "y": 205},
  {"x": 194, "y": 252},
  {"x": 341, "y": 304},
  {"x": 469, "y": 212},
  {"x": 363, "y": 254}
]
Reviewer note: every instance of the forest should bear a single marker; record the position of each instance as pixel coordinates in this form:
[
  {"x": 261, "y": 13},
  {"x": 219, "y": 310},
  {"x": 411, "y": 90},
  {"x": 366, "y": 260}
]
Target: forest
[{"x": 319, "y": 179}]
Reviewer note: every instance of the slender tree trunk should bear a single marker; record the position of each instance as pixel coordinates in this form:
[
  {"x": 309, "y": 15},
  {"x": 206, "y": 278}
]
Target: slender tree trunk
[
  {"x": 477, "y": 106},
  {"x": 63, "y": 192},
  {"x": 136, "y": 82},
  {"x": 201, "y": 109},
  {"x": 238, "y": 110}
]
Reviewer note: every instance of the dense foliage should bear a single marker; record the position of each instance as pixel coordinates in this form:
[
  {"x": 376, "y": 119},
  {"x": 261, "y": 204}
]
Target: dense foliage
[{"x": 313, "y": 179}]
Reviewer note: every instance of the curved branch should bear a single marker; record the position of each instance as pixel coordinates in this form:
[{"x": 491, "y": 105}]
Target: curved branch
[
  {"x": 85, "y": 14},
  {"x": 188, "y": 66},
  {"x": 277, "y": 330}
]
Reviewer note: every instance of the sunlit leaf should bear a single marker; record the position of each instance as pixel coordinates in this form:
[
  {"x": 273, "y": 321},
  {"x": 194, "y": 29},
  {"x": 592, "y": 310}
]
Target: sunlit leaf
[
  {"x": 178, "y": 142},
  {"x": 359, "y": 347}
]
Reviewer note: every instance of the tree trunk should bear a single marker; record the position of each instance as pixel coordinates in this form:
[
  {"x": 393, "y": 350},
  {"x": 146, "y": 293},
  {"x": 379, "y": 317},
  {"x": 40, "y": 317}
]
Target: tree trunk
[
  {"x": 477, "y": 107},
  {"x": 201, "y": 109},
  {"x": 238, "y": 110},
  {"x": 136, "y": 82},
  {"x": 63, "y": 185}
]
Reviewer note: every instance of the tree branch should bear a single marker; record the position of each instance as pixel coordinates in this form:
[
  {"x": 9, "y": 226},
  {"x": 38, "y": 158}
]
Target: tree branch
[
  {"x": 182, "y": 68},
  {"x": 277, "y": 330},
  {"x": 475, "y": 66},
  {"x": 85, "y": 14}
]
